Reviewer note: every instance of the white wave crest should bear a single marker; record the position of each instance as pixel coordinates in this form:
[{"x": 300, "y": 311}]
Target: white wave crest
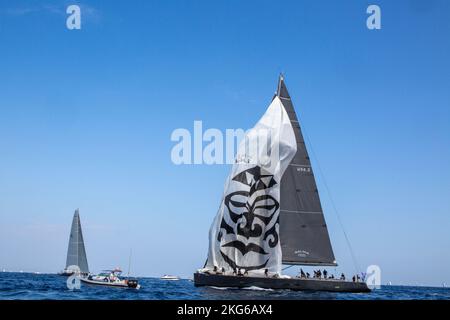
[{"x": 257, "y": 288}]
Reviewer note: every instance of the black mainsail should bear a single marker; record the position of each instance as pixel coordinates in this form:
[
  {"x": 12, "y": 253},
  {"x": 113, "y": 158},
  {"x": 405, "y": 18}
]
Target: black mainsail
[
  {"x": 303, "y": 231},
  {"x": 76, "y": 252}
]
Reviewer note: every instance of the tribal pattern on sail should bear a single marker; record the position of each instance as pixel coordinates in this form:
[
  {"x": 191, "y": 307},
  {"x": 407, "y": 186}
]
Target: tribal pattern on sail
[
  {"x": 245, "y": 233},
  {"x": 250, "y": 215}
]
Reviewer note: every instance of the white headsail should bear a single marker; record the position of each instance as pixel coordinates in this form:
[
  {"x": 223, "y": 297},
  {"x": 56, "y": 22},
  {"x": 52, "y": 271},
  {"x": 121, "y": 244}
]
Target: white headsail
[{"x": 245, "y": 231}]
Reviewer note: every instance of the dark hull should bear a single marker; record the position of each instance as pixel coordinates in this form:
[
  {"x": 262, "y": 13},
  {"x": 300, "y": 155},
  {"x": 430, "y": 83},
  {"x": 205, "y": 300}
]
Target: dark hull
[{"x": 298, "y": 284}]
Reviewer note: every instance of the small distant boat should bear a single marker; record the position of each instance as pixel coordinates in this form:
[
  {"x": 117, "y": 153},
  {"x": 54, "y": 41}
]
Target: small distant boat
[
  {"x": 4, "y": 270},
  {"x": 111, "y": 278},
  {"x": 76, "y": 261},
  {"x": 169, "y": 278}
]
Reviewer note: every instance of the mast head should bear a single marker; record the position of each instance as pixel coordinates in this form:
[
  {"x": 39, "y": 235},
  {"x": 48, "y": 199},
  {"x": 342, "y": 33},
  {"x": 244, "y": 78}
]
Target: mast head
[{"x": 281, "y": 89}]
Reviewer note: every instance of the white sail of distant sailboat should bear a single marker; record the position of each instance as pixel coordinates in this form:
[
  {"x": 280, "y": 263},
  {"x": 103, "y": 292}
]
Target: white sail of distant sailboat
[
  {"x": 76, "y": 252},
  {"x": 245, "y": 231}
]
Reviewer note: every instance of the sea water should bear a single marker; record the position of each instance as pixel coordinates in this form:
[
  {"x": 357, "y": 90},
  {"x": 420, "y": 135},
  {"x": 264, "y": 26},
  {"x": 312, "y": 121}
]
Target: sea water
[{"x": 52, "y": 286}]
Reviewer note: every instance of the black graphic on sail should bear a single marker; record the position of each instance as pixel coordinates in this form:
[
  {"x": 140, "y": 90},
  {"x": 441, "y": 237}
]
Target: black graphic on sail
[
  {"x": 303, "y": 231},
  {"x": 250, "y": 211},
  {"x": 76, "y": 253}
]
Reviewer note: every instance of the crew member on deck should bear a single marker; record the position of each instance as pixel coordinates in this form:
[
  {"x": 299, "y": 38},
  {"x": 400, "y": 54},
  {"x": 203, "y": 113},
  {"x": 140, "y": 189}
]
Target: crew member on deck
[{"x": 302, "y": 274}]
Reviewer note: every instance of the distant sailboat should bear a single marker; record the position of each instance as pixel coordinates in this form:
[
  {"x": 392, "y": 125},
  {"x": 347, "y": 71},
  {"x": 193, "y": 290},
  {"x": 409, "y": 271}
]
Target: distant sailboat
[
  {"x": 271, "y": 216},
  {"x": 76, "y": 252}
]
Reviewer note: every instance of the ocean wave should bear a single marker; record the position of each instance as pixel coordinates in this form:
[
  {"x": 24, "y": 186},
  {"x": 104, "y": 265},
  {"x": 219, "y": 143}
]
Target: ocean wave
[
  {"x": 222, "y": 288},
  {"x": 22, "y": 286},
  {"x": 257, "y": 288}
]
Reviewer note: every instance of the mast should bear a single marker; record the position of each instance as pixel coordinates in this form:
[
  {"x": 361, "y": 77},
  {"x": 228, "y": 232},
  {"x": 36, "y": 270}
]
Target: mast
[
  {"x": 303, "y": 230},
  {"x": 76, "y": 252},
  {"x": 129, "y": 263}
]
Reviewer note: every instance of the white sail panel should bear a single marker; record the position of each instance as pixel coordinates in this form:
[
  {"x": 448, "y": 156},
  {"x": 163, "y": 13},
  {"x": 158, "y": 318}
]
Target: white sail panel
[{"x": 245, "y": 231}]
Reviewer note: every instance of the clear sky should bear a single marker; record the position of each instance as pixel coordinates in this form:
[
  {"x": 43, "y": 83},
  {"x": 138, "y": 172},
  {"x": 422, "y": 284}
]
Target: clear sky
[{"x": 86, "y": 117}]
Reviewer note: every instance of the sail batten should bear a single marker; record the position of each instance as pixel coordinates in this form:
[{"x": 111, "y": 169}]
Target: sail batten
[{"x": 303, "y": 230}]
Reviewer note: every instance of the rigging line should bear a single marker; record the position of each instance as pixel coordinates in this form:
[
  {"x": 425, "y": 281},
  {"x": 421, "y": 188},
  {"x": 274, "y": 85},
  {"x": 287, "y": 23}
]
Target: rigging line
[
  {"x": 355, "y": 262},
  {"x": 285, "y": 268},
  {"x": 129, "y": 263}
]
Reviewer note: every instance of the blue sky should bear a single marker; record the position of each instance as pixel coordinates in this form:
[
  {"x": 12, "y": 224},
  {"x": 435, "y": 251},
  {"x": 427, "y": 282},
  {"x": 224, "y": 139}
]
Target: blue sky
[{"x": 86, "y": 117}]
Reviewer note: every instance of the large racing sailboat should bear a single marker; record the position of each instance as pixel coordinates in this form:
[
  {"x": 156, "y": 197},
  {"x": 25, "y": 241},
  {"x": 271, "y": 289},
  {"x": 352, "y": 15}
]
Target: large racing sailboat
[
  {"x": 270, "y": 214},
  {"x": 76, "y": 262}
]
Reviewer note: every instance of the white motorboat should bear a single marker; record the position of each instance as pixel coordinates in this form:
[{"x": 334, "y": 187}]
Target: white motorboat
[{"x": 111, "y": 278}]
